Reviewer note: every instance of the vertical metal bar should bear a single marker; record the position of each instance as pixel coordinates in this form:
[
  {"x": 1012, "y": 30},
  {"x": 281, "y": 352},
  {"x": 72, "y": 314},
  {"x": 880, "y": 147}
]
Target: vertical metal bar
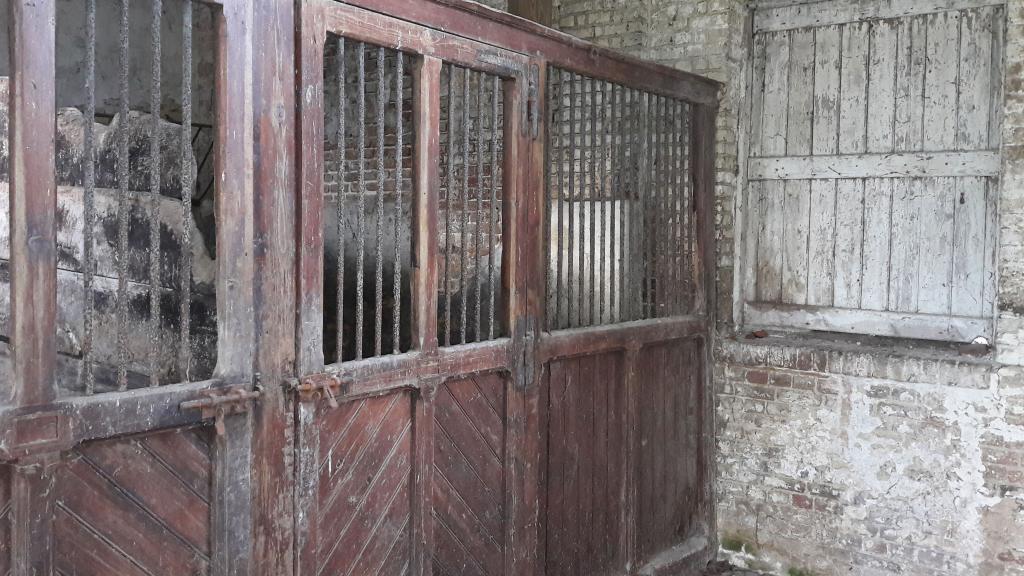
[
  {"x": 570, "y": 281},
  {"x": 465, "y": 202},
  {"x": 154, "y": 198},
  {"x": 680, "y": 209},
  {"x": 657, "y": 186},
  {"x": 187, "y": 186},
  {"x": 592, "y": 191},
  {"x": 673, "y": 210},
  {"x": 339, "y": 342},
  {"x": 396, "y": 332},
  {"x": 493, "y": 210},
  {"x": 382, "y": 102},
  {"x": 613, "y": 198},
  {"x": 605, "y": 173},
  {"x": 560, "y": 127},
  {"x": 549, "y": 217},
  {"x": 361, "y": 214},
  {"x": 584, "y": 199},
  {"x": 690, "y": 209},
  {"x": 448, "y": 207},
  {"x": 645, "y": 189},
  {"x": 479, "y": 199},
  {"x": 89, "y": 199},
  {"x": 122, "y": 205}
]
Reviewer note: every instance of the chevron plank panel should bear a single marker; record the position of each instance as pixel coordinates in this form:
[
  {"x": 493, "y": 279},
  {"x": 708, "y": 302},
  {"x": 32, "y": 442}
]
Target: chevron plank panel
[
  {"x": 585, "y": 465},
  {"x": 5, "y": 520},
  {"x": 669, "y": 424},
  {"x": 469, "y": 482},
  {"x": 365, "y": 459},
  {"x": 135, "y": 506}
]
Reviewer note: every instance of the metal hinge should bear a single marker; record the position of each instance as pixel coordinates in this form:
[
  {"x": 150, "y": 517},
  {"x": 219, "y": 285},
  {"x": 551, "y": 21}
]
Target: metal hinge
[
  {"x": 315, "y": 388},
  {"x": 220, "y": 402},
  {"x": 532, "y": 112}
]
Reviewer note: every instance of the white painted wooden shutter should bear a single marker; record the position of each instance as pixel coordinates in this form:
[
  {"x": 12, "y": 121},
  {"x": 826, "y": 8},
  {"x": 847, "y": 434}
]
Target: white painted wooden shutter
[{"x": 873, "y": 165}]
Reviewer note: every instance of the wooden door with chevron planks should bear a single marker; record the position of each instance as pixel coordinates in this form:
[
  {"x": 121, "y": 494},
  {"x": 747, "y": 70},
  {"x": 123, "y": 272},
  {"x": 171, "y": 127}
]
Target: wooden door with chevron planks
[{"x": 352, "y": 288}]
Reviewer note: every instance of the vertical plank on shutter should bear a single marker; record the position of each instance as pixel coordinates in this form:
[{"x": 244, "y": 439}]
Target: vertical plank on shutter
[
  {"x": 849, "y": 237},
  {"x": 798, "y": 143},
  {"x": 997, "y": 17},
  {"x": 910, "y": 66},
  {"x": 905, "y": 246},
  {"x": 753, "y": 194},
  {"x": 826, "y": 90},
  {"x": 821, "y": 265},
  {"x": 907, "y": 134},
  {"x": 881, "y": 86},
  {"x": 773, "y": 143},
  {"x": 877, "y": 237},
  {"x": 849, "y": 241},
  {"x": 936, "y": 204},
  {"x": 991, "y": 244},
  {"x": 880, "y": 138},
  {"x": 853, "y": 93},
  {"x": 970, "y": 200}
]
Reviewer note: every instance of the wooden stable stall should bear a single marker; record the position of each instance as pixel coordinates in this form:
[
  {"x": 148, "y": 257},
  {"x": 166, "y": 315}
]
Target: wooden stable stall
[{"x": 464, "y": 267}]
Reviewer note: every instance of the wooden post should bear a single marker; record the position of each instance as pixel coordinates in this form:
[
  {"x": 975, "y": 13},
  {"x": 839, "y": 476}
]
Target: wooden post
[
  {"x": 274, "y": 91},
  {"x": 427, "y": 111},
  {"x": 33, "y": 495},
  {"x": 33, "y": 201}
]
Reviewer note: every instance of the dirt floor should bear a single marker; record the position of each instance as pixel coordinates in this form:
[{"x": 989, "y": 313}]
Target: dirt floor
[{"x": 720, "y": 568}]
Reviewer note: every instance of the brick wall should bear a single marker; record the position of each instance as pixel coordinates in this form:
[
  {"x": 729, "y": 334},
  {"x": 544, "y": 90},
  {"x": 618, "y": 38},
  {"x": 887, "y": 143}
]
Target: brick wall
[{"x": 850, "y": 455}]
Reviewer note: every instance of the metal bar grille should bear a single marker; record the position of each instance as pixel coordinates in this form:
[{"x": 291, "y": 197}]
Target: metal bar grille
[
  {"x": 618, "y": 202},
  {"x": 472, "y": 138},
  {"x": 128, "y": 306},
  {"x": 368, "y": 95}
]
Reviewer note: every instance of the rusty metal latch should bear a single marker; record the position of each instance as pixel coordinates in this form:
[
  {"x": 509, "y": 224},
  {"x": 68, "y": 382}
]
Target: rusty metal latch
[
  {"x": 312, "y": 389},
  {"x": 220, "y": 402}
]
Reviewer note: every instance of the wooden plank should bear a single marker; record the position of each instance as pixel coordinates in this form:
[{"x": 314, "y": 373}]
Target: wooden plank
[
  {"x": 841, "y": 11},
  {"x": 904, "y": 245},
  {"x": 540, "y": 11},
  {"x": 910, "y": 73},
  {"x": 774, "y": 124},
  {"x": 476, "y": 21},
  {"x": 427, "y": 118},
  {"x": 936, "y": 207},
  {"x": 827, "y": 48},
  {"x": 970, "y": 205},
  {"x": 882, "y": 86},
  {"x": 849, "y": 243},
  {"x": 974, "y": 81},
  {"x": 421, "y": 522},
  {"x": 878, "y": 228},
  {"x": 33, "y": 203},
  {"x": 881, "y": 323},
  {"x": 776, "y": 94},
  {"x": 853, "y": 97},
  {"x": 33, "y": 500},
  {"x": 940, "y": 82},
  {"x": 970, "y": 202},
  {"x": 821, "y": 245},
  {"x": 798, "y": 193},
  {"x": 275, "y": 307},
  {"x": 886, "y": 165},
  {"x": 311, "y": 192},
  {"x": 601, "y": 339}
]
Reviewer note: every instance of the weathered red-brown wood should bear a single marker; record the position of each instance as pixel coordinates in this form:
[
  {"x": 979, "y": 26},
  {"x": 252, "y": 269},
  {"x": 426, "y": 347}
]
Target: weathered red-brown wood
[
  {"x": 33, "y": 201},
  {"x": 427, "y": 118},
  {"x": 274, "y": 285},
  {"x": 33, "y": 501},
  {"x": 479, "y": 22}
]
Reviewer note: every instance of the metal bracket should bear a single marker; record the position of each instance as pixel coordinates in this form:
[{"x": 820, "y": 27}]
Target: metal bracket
[
  {"x": 220, "y": 402},
  {"x": 533, "y": 101},
  {"x": 316, "y": 388}
]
